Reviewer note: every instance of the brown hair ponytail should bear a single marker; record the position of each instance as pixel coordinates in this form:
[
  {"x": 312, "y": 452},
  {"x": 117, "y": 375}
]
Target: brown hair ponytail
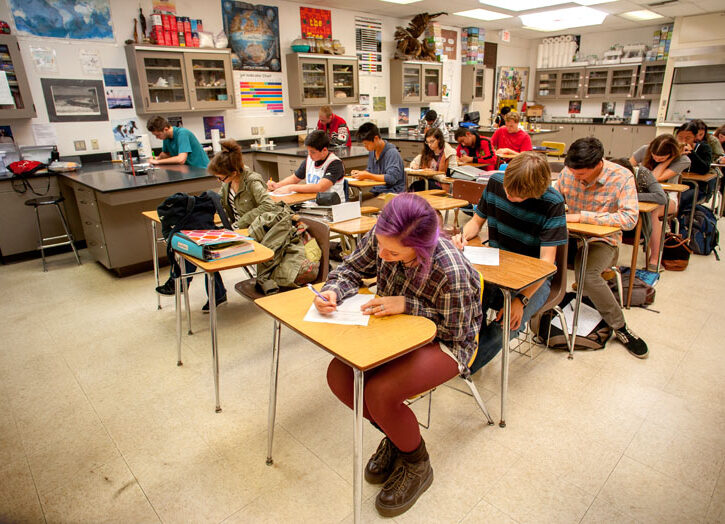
[{"x": 228, "y": 161}]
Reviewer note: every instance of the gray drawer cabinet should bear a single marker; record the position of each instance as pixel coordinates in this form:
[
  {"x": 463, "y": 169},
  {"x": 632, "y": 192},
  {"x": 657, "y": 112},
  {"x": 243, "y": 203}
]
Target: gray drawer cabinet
[{"x": 91, "y": 222}]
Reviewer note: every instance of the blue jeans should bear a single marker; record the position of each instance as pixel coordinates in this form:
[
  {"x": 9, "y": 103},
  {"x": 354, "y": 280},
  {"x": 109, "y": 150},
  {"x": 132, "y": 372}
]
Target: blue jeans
[
  {"x": 490, "y": 337},
  {"x": 219, "y": 288}
]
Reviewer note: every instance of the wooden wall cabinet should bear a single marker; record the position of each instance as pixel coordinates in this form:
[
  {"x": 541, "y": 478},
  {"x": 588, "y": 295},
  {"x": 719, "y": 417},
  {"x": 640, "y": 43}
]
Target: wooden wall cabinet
[
  {"x": 651, "y": 79},
  {"x": 618, "y": 82},
  {"x": 472, "y": 83},
  {"x": 571, "y": 83},
  {"x": 547, "y": 84},
  {"x": 166, "y": 79},
  {"x": 415, "y": 82},
  {"x": 12, "y": 63},
  {"x": 316, "y": 80}
]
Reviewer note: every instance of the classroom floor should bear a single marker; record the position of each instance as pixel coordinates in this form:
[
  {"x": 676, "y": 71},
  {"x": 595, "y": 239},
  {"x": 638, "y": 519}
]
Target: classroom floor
[{"x": 98, "y": 424}]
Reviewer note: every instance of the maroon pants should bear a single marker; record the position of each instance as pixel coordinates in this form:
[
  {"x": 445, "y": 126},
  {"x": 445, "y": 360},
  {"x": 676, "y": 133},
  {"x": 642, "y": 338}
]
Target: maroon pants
[{"x": 388, "y": 386}]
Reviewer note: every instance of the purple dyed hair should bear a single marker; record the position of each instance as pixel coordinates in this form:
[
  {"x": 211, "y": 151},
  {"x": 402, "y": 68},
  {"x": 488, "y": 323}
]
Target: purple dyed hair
[{"x": 414, "y": 223}]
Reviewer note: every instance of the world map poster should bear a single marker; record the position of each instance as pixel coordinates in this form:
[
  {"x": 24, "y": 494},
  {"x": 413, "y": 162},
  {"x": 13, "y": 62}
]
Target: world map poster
[
  {"x": 253, "y": 33},
  {"x": 81, "y": 20}
]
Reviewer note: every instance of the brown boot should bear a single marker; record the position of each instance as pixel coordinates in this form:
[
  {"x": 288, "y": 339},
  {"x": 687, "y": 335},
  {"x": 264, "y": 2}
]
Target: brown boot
[
  {"x": 410, "y": 478},
  {"x": 381, "y": 463}
]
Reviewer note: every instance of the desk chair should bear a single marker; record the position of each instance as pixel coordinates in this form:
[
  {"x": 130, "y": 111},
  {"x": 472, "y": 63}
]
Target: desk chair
[
  {"x": 466, "y": 190},
  {"x": 36, "y": 203},
  {"x": 320, "y": 231},
  {"x": 559, "y": 148}
]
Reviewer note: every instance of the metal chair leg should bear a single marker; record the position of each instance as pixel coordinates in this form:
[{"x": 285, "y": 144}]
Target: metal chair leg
[
  {"x": 40, "y": 237},
  {"x": 619, "y": 284},
  {"x": 479, "y": 401},
  {"x": 68, "y": 233}
]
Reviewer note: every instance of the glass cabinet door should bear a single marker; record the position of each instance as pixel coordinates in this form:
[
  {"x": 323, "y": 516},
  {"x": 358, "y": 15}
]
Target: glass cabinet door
[
  {"x": 547, "y": 84},
  {"x": 622, "y": 83},
  {"x": 20, "y": 103},
  {"x": 208, "y": 76},
  {"x": 570, "y": 85},
  {"x": 597, "y": 83},
  {"x": 432, "y": 83},
  {"x": 478, "y": 84},
  {"x": 652, "y": 78},
  {"x": 313, "y": 83},
  {"x": 163, "y": 81},
  {"x": 411, "y": 83},
  {"x": 343, "y": 81}
]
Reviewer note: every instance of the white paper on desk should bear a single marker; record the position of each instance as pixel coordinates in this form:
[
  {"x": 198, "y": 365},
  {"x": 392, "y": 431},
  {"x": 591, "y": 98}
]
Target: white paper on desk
[
  {"x": 588, "y": 319},
  {"x": 6, "y": 97},
  {"x": 274, "y": 193},
  {"x": 484, "y": 256},
  {"x": 348, "y": 313}
]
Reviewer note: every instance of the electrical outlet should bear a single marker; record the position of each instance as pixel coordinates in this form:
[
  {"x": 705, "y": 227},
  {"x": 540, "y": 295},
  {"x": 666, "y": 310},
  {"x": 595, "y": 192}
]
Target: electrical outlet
[
  {"x": 94, "y": 143},
  {"x": 255, "y": 131},
  {"x": 80, "y": 145},
  {"x": 261, "y": 130}
]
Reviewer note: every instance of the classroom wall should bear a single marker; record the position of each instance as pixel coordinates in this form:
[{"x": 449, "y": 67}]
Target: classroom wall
[{"x": 237, "y": 124}]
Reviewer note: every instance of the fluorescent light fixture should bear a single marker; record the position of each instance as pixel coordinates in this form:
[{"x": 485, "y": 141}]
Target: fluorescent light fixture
[
  {"x": 482, "y": 14},
  {"x": 560, "y": 19},
  {"x": 644, "y": 14},
  {"x": 401, "y": 1},
  {"x": 523, "y": 5},
  {"x": 594, "y": 2}
]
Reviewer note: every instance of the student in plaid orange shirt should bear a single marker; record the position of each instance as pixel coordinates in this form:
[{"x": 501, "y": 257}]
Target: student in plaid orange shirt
[{"x": 600, "y": 192}]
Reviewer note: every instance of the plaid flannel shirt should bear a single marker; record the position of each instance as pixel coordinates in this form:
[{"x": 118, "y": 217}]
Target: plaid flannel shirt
[
  {"x": 611, "y": 200},
  {"x": 449, "y": 294}
]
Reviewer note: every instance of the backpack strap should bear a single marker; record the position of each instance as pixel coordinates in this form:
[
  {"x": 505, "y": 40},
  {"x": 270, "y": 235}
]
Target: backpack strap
[
  {"x": 219, "y": 209},
  {"x": 175, "y": 268}
]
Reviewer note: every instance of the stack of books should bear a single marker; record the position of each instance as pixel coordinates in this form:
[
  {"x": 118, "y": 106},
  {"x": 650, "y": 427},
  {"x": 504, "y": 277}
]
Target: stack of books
[{"x": 211, "y": 244}]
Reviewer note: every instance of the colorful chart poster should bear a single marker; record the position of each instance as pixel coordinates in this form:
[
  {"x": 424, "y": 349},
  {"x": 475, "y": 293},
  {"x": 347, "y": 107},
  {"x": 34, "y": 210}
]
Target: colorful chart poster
[
  {"x": 213, "y": 122},
  {"x": 87, "y": 20},
  {"x": 369, "y": 45},
  {"x": 315, "y": 23},
  {"x": 253, "y": 33},
  {"x": 261, "y": 94},
  {"x": 114, "y": 77}
]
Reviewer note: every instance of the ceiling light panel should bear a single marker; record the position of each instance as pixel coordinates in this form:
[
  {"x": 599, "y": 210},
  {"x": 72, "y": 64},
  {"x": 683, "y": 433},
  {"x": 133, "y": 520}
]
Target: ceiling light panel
[
  {"x": 594, "y": 2},
  {"x": 482, "y": 14},
  {"x": 643, "y": 14},
  {"x": 523, "y": 5},
  {"x": 401, "y": 1},
  {"x": 559, "y": 19}
]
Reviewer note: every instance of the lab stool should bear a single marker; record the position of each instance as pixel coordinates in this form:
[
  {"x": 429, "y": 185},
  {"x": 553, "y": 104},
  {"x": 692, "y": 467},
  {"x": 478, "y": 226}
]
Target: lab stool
[{"x": 52, "y": 201}]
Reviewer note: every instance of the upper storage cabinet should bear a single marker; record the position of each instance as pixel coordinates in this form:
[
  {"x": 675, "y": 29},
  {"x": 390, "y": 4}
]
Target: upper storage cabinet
[
  {"x": 12, "y": 65},
  {"x": 611, "y": 82},
  {"x": 316, "y": 80},
  {"x": 651, "y": 79},
  {"x": 472, "y": 83},
  {"x": 412, "y": 82},
  {"x": 177, "y": 79},
  {"x": 547, "y": 84},
  {"x": 571, "y": 84}
]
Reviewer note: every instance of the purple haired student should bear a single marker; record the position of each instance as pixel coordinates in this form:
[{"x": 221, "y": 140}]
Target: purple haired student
[{"x": 419, "y": 272}]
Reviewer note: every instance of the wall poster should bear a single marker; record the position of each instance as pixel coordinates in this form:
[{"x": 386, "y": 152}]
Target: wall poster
[
  {"x": 74, "y": 100},
  {"x": 512, "y": 84},
  {"x": 369, "y": 45},
  {"x": 315, "y": 23},
  {"x": 253, "y": 33},
  {"x": 86, "y": 20},
  {"x": 260, "y": 94}
]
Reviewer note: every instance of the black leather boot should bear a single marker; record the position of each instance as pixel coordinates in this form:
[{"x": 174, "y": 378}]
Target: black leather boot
[
  {"x": 411, "y": 476},
  {"x": 381, "y": 463}
]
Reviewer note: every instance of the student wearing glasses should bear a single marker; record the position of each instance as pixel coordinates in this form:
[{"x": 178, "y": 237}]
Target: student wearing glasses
[{"x": 437, "y": 154}]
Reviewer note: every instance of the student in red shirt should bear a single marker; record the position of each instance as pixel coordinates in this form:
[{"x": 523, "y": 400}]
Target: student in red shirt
[
  {"x": 511, "y": 140},
  {"x": 474, "y": 148},
  {"x": 335, "y": 127}
]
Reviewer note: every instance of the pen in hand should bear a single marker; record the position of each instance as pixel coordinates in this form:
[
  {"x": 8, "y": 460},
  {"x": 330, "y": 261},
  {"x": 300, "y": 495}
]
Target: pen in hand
[{"x": 309, "y": 286}]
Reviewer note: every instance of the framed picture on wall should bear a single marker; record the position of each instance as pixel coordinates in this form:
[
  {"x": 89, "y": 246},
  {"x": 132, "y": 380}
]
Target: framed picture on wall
[{"x": 74, "y": 100}]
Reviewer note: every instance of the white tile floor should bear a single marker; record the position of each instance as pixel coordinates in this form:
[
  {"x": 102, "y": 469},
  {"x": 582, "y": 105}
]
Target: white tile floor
[{"x": 98, "y": 424}]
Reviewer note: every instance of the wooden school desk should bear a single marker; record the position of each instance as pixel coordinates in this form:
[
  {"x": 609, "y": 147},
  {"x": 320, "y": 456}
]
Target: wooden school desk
[
  {"x": 586, "y": 233},
  {"x": 361, "y": 184},
  {"x": 260, "y": 254},
  {"x": 296, "y": 198},
  {"x": 420, "y": 173},
  {"x": 350, "y": 229},
  {"x": 693, "y": 177},
  {"x": 361, "y": 347},
  {"x": 644, "y": 208},
  {"x": 513, "y": 273}
]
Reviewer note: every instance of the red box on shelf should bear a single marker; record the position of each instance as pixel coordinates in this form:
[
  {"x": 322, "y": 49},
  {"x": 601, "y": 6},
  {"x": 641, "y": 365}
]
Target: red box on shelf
[
  {"x": 187, "y": 25},
  {"x": 158, "y": 35},
  {"x": 189, "y": 41},
  {"x": 174, "y": 39},
  {"x": 174, "y": 25},
  {"x": 166, "y": 22}
]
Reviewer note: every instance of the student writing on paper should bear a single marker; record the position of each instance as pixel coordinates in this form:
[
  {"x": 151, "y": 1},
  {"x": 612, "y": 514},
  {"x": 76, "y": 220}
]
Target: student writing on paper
[
  {"x": 600, "y": 192},
  {"x": 385, "y": 165},
  {"x": 180, "y": 145},
  {"x": 526, "y": 216},
  {"x": 475, "y": 148},
  {"x": 437, "y": 154},
  {"x": 321, "y": 171},
  {"x": 419, "y": 272},
  {"x": 510, "y": 140}
]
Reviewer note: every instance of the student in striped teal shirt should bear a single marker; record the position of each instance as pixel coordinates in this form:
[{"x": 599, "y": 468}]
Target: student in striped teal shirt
[{"x": 526, "y": 216}]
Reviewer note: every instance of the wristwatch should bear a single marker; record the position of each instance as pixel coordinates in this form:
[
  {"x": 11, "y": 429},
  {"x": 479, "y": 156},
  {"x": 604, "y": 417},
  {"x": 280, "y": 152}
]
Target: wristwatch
[{"x": 523, "y": 298}]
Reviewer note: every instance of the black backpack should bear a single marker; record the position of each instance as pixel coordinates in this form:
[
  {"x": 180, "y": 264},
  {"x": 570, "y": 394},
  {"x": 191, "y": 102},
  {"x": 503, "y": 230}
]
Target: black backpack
[
  {"x": 593, "y": 341},
  {"x": 705, "y": 236},
  {"x": 183, "y": 211}
]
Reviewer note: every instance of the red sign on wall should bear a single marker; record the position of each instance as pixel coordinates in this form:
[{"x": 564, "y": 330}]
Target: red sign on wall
[{"x": 316, "y": 23}]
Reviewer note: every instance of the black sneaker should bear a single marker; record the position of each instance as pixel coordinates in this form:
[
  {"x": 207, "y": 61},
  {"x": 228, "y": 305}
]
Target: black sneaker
[
  {"x": 168, "y": 288},
  {"x": 219, "y": 302},
  {"x": 635, "y": 345}
]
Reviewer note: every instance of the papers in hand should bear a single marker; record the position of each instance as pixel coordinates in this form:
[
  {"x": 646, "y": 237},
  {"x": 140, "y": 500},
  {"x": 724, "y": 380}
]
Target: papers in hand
[
  {"x": 588, "y": 319},
  {"x": 347, "y": 313},
  {"x": 484, "y": 256}
]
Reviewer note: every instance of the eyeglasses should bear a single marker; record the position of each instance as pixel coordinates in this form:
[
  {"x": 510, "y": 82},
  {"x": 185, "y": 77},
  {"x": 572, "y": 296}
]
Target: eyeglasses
[{"x": 432, "y": 142}]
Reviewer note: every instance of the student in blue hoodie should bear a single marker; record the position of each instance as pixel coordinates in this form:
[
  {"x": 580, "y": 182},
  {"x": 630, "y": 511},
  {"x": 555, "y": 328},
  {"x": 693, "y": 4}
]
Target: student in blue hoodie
[{"x": 385, "y": 165}]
